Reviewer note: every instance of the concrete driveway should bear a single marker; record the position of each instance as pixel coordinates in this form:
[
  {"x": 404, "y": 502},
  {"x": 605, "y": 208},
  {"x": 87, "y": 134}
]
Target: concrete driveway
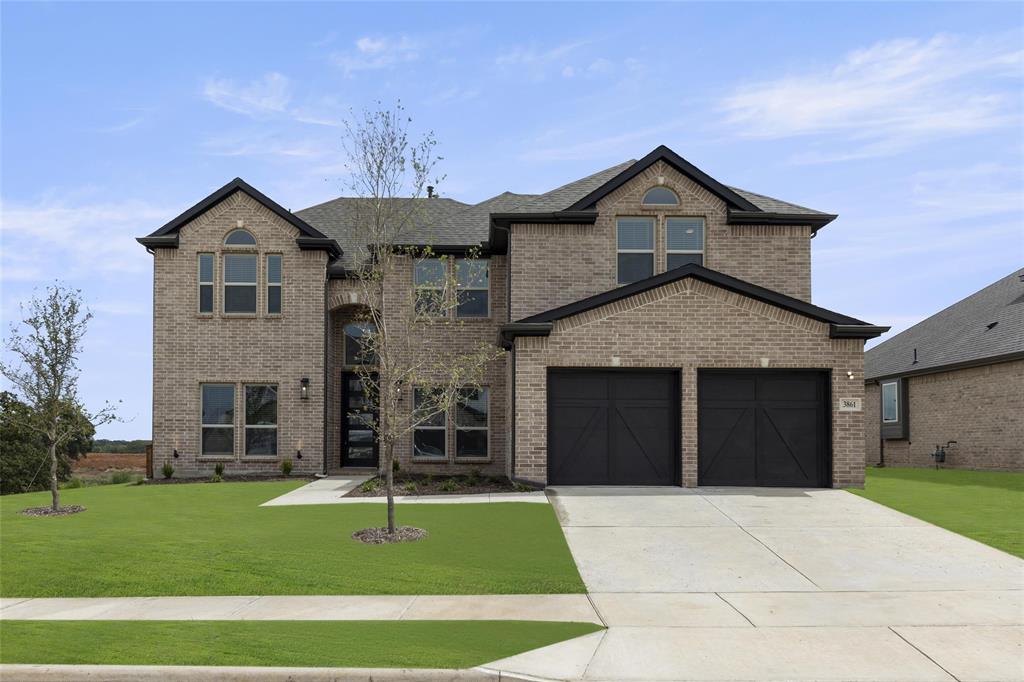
[{"x": 779, "y": 584}]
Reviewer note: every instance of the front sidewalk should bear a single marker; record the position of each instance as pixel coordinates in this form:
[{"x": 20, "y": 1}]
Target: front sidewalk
[{"x": 535, "y": 607}]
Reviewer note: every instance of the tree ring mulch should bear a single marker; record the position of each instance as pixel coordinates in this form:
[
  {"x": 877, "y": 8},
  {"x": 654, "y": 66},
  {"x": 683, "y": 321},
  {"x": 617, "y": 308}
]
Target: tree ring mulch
[
  {"x": 380, "y": 536},
  {"x": 66, "y": 510}
]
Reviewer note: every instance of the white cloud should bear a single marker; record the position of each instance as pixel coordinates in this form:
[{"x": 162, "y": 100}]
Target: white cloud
[
  {"x": 887, "y": 97},
  {"x": 378, "y": 52},
  {"x": 260, "y": 98},
  {"x": 68, "y": 239},
  {"x": 251, "y": 143}
]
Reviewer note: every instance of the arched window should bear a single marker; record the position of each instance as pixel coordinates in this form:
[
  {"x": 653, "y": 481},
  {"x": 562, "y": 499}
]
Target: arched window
[
  {"x": 239, "y": 238},
  {"x": 356, "y": 352},
  {"x": 660, "y": 196}
]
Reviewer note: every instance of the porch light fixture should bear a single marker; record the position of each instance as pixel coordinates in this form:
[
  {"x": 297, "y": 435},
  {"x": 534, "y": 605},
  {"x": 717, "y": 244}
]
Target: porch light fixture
[
  {"x": 298, "y": 454},
  {"x": 304, "y": 388},
  {"x": 175, "y": 453}
]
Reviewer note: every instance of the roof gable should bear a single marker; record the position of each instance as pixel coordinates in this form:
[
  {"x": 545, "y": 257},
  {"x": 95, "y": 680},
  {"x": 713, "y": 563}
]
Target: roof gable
[
  {"x": 310, "y": 237},
  {"x": 840, "y": 326},
  {"x": 662, "y": 153}
]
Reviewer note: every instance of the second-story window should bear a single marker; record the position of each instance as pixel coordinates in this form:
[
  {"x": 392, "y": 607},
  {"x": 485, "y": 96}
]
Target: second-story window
[
  {"x": 472, "y": 282},
  {"x": 635, "y": 248},
  {"x": 274, "y": 284},
  {"x": 206, "y": 283},
  {"x": 240, "y": 277},
  {"x": 429, "y": 279},
  {"x": 684, "y": 241}
]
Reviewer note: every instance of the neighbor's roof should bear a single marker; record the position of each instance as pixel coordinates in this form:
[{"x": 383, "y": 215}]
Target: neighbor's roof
[{"x": 985, "y": 327}]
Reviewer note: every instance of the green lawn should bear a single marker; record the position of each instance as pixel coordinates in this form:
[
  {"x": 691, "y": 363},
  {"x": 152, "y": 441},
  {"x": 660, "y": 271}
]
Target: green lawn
[
  {"x": 987, "y": 506},
  {"x": 214, "y": 539},
  {"x": 355, "y": 644}
]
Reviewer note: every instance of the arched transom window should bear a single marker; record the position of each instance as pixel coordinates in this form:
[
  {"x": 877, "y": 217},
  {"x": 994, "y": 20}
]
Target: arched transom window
[
  {"x": 239, "y": 238},
  {"x": 660, "y": 196}
]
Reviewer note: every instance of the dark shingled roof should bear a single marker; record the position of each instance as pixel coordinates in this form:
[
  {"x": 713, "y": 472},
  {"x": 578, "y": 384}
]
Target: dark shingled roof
[
  {"x": 962, "y": 334},
  {"x": 770, "y": 205}
]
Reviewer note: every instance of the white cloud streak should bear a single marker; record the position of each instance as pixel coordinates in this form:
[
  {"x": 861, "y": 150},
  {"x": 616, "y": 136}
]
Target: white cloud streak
[
  {"x": 887, "y": 97},
  {"x": 371, "y": 53},
  {"x": 261, "y": 98}
]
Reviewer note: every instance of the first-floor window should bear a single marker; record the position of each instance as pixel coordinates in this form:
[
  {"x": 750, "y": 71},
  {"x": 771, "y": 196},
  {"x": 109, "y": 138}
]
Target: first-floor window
[
  {"x": 261, "y": 420},
  {"x": 635, "y": 248},
  {"x": 684, "y": 241},
  {"x": 471, "y": 423},
  {"x": 218, "y": 420},
  {"x": 890, "y": 402},
  {"x": 429, "y": 439}
]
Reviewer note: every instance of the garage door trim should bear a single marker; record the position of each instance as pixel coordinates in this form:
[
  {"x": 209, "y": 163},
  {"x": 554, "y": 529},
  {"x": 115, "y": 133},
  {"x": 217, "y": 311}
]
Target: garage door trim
[
  {"x": 676, "y": 375},
  {"x": 826, "y": 374}
]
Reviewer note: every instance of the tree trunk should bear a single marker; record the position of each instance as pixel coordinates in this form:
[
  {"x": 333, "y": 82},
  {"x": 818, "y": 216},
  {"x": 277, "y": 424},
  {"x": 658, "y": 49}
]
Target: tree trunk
[
  {"x": 389, "y": 479},
  {"x": 54, "y": 490}
]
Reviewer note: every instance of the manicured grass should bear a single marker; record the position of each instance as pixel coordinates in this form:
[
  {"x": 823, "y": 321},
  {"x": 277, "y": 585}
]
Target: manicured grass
[
  {"x": 214, "y": 539},
  {"x": 355, "y": 644},
  {"x": 987, "y": 506}
]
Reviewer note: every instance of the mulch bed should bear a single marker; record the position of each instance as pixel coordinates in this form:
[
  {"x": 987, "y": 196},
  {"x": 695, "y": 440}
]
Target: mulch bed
[
  {"x": 425, "y": 484},
  {"x": 380, "y": 536},
  {"x": 240, "y": 478},
  {"x": 66, "y": 510}
]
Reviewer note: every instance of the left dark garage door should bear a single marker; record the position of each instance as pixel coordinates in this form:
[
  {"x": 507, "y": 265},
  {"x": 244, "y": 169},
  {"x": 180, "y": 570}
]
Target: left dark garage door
[{"x": 608, "y": 427}]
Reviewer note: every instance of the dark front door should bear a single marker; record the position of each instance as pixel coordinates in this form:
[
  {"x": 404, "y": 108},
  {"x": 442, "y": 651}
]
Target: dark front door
[
  {"x": 608, "y": 427},
  {"x": 358, "y": 444},
  {"x": 763, "y": 428}
]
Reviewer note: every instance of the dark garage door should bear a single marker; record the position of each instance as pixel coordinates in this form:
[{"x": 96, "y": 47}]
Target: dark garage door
[
  {"x": 766, "y": 428},
  {"x": 613, "y": 427}
]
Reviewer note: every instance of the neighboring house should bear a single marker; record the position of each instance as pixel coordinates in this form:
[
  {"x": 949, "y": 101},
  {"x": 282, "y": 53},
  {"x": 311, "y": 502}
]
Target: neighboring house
[
  {"x": 956, "y": 376},
  {"x": 658, "y": 324}
]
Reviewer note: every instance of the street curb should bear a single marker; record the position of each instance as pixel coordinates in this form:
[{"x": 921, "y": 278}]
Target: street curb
[{"x": 127, "y": 673}]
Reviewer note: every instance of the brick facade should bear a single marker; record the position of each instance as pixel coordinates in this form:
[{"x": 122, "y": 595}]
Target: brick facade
[
  {"x": 453, "y": 336},
  {"x": 191, "y": 348},
  {"x": 553, "y": 265},
  {"x": 982, "y": 408},
  {"x": 687, "y": 325}
]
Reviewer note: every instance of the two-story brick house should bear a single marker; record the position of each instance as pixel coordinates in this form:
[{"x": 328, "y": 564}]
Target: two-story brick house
[{"x": 658, "y": 326}]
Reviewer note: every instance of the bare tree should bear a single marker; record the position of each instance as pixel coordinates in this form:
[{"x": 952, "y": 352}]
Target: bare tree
[
  {"x": 411, "y": 373},
  {"x": 45, "y": 372}
]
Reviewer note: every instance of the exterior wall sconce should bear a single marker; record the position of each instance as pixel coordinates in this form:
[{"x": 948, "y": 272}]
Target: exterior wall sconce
[
  {"x": 304, "y": 388},
  {"x": 298, "y": 454},
  {"x": 175, "y": 453}
]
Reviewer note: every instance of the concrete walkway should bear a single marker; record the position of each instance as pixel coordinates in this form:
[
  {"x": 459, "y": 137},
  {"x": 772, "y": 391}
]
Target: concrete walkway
[
  {"x": 533, "y": 607},
  {"x": 332, "y": 490},
  {"x": 755, "y": 584}
]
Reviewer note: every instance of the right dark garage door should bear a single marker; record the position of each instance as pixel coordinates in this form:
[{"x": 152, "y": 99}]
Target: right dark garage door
[{"x": 763, "y": 428}]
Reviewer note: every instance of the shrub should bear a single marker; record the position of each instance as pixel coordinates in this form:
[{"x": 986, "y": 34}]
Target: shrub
[
  {"x": 371, "y": 485},
  {"x": 216, "y": 478},
  {"x": 449, "y": 485},
  {"x": 409, "y": 487},
  {"x": 286, "y": 467},
  {"x": 74, "y": 482},
  {"x": 168, "y": 470},
  {"x": 119, "y": 477},
  {"x": 474, "y": 477},
  {"x": 395, "y": 466},
  {"x": 218, "y": 469},
  {"x": 523, "y": 488}
]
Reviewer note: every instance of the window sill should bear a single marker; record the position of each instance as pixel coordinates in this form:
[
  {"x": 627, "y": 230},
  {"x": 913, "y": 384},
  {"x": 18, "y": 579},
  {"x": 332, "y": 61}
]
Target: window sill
[
  {"x": 241, "y": 316},
  {"x": 471, "y": 460},
  {"x": 215, "y": 458},
  {"x": 429, "y": 460},
  {"x": 260, "y": 458}
]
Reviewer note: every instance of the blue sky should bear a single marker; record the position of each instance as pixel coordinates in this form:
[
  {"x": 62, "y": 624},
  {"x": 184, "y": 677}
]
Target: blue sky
[{"x": 905, "y": 119}]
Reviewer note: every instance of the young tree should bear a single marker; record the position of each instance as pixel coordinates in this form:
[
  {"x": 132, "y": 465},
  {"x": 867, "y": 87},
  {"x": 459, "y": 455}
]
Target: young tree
[
  {"x": 45, "y": 372},
  {"x": 411, "y": 370}
]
